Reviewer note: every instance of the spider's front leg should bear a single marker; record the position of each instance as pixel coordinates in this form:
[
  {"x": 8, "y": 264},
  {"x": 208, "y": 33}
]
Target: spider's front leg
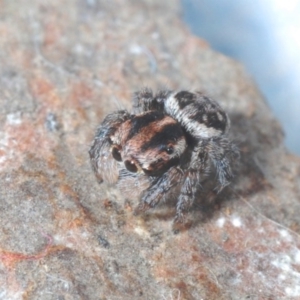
[
  {"x": 194, "y": 175},
  {"x": 103, "y": 157},
  {"x": 145, "y": 100},
  {"x": 159, "y": 189},
  {"x": 188, "y": 193}
]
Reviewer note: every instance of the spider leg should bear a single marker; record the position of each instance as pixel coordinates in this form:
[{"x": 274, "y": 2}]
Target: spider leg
[
  {"x": 187, "y": 195},
  {"x": 222, "y": 152},
  {"x": 159, "y": 189},
  {"x": 145, "y": 100},
  {"x": 103, "y": 164}
]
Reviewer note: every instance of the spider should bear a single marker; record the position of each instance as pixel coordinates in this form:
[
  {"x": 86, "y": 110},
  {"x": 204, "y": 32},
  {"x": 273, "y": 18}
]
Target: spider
[{"x": 166, "y": 148}]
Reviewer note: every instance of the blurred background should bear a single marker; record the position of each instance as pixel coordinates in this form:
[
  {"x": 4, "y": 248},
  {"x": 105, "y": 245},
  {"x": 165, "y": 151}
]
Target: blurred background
[{"x": 265, "y": 37}]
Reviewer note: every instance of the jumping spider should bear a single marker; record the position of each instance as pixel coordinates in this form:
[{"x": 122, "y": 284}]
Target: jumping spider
[{"x": 166, "y": 148}]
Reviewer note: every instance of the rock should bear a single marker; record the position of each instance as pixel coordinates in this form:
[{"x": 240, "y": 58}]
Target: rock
[{"x": 64, "y": 66}]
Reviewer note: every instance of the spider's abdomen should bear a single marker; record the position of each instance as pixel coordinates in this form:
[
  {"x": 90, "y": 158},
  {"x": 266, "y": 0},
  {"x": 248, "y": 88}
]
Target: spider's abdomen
[{"x": 199, "y": 115}]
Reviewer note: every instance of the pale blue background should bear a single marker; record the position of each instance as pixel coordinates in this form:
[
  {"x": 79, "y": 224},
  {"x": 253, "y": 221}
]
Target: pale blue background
[{"x": 265, "y": 37}]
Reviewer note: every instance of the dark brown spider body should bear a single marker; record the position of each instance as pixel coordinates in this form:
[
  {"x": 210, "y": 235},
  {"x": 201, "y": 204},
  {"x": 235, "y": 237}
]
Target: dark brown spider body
[
  {"x": 172, "y": 142},
  {"x": 149, "y": 143}
]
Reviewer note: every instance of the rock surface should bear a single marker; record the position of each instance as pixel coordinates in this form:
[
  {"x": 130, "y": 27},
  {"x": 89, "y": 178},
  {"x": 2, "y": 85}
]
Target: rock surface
[{"x": 64, "y": 66}]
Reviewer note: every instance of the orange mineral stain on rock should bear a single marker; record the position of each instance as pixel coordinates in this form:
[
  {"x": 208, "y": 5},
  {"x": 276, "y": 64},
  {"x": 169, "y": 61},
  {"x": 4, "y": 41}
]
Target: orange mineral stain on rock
[
  {"x": 9, "y": 259},
  {"x": 163, "y": 272},
  {"x": 45, "y": 93},
  {"x": 81, "y": 94},
  {"x": 24, "y": 138}
]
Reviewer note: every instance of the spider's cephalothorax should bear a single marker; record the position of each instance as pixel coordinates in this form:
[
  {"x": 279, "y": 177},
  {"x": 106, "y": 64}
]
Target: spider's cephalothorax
[{"x": 166, "y": 148}]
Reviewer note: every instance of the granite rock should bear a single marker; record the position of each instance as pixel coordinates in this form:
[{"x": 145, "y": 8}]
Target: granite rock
[{"x": 64, "y": 66}]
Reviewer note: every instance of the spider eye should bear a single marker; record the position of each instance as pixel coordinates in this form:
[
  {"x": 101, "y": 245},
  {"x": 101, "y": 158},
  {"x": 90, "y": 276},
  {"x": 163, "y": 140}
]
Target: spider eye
[
  {"x": 130, "y": 166},
  {"x": 115, "y": 151},
  {"x": 169, "y": 149}
]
